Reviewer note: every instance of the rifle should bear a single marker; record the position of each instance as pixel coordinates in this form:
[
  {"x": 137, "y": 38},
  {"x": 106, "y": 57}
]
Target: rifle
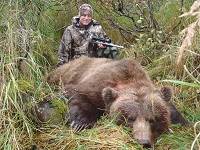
[{"x": 105, "y": 42}]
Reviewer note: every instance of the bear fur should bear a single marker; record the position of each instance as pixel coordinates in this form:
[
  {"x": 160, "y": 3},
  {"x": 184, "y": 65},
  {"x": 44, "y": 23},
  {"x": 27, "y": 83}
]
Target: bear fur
[{"x": 120, "y": 88}]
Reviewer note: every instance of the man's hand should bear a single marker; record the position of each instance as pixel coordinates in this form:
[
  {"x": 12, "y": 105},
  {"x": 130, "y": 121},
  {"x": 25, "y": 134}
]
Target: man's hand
[{"x": 101, "y": 46}]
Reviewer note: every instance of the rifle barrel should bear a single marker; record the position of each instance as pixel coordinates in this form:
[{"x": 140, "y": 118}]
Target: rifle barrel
[{"x": 109, "y": 44}]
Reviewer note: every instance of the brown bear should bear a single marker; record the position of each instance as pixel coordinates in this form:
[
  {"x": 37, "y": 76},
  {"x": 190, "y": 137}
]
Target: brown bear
[{"x": 122, "y": 89}]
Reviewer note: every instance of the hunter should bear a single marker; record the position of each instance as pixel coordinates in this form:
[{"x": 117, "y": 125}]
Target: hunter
[{"x": 76, "y": 39}]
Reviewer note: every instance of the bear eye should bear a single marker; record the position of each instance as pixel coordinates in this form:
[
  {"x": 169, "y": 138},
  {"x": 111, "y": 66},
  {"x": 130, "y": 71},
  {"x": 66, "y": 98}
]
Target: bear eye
[
  {"x": 151, "y": 120},
  {"x": 127, "y": 119},
  {"x": 131, "y": 119}
]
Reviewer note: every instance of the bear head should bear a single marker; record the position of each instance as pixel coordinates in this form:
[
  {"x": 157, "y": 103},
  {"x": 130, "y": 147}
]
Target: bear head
[{"x": 146, "y": 113}]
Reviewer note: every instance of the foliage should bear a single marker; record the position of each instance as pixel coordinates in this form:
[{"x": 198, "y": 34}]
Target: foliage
[{"x": 30, "y": 31}]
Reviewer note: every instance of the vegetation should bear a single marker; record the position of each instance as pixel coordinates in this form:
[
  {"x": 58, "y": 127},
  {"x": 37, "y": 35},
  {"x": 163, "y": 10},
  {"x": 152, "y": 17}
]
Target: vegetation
[{"x": 30, "y": 32}]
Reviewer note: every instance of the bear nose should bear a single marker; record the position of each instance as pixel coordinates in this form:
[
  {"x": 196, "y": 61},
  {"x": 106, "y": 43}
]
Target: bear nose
[
  {"x": 145, "y": 143},
  {"x": 142, "y": 132}
]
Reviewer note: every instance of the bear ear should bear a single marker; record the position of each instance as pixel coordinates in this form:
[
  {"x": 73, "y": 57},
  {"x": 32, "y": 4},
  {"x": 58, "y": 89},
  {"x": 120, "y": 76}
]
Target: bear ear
[
  {"x": 109, "y": 95},
  {"x": 166, "y": 93}
]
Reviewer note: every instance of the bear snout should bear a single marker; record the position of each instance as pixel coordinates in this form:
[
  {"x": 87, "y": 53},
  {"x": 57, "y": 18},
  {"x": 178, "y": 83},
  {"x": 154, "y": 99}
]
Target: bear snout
[
  {"x": 145, "y": 143},
  {"x": 142, "y": 132}
]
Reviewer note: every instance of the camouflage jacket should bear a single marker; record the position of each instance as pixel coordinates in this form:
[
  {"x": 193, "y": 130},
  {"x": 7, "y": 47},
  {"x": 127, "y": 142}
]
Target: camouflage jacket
[{"x": 75, "y": 40}]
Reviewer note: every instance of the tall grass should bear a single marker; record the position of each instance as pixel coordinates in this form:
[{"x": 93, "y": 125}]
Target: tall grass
[
  {"x": 29, "y": 36},
  {"x": 17, "y": 64}
]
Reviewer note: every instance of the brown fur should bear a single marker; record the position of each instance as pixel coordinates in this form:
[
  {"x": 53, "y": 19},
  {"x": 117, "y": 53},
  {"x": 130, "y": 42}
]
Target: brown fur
[{"x": 117, "y": 87}]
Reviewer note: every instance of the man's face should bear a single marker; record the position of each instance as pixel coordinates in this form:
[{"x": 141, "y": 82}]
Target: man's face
[{"x": 85, "y": 18}]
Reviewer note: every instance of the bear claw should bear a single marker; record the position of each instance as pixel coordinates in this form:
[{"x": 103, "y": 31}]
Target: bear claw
[{"x": 78, "y": 127}]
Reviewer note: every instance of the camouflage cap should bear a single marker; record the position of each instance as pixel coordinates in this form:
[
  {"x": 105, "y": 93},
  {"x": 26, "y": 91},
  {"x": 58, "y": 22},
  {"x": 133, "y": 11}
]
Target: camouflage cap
[{"x": 85, "y": 9}]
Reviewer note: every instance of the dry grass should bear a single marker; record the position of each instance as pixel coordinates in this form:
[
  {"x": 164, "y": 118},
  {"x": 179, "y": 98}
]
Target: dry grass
[
  {"x": 188, "y": 34},
  {"x": 105, "y": 135}
]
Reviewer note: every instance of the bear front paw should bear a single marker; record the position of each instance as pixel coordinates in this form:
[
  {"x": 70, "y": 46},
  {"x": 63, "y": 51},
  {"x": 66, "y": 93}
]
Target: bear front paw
[{"x": 79, "y": 125}]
